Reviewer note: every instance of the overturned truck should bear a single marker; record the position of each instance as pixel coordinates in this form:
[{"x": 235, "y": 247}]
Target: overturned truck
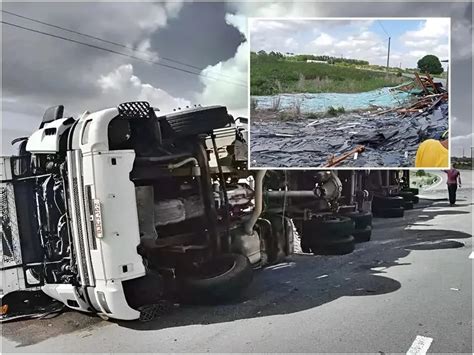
[{"x": 122, "y": 211}]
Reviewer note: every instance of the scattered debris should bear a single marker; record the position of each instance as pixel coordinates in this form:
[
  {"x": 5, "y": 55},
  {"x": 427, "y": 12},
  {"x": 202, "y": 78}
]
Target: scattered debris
[
  {"x": 391, "y": 133},
  {"x": 430, "y": 94},
  {"x": 333, "y": 161},
  {"x": 454, "y": 289},
  {"x": 322, "y": 276}
]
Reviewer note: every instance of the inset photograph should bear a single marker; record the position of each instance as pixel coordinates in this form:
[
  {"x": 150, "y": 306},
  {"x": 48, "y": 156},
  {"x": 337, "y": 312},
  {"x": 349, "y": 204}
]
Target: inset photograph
[{"x": 350, "y": 92}]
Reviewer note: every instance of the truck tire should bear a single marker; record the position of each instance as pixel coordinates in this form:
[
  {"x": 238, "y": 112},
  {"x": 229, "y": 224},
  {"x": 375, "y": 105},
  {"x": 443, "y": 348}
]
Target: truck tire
[
  {"x": 406, "y": 195},
  {"x": 380, "y": 202},
  {"x": 361, "y": 219},
  {"x": 408, "y": 205},
  {"x": 202, "y": 120},
  {"x": 413, "y": 190},
  {"x": 339, "y": 246},
  {"x": 215, "y": 281},
  {"x": 362, "y": 235},
  {"x": 390, "y": 212},
  {"x": 333, "y": 227},
  {"x": 415, "y": 200}
]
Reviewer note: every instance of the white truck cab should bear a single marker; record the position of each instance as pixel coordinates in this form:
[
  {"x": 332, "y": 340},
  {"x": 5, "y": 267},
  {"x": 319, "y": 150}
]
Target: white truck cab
[{"x": 124, "y": 208}]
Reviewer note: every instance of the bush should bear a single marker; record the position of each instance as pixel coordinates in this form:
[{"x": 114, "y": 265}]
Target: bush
[{"x": 420, "y": 173}]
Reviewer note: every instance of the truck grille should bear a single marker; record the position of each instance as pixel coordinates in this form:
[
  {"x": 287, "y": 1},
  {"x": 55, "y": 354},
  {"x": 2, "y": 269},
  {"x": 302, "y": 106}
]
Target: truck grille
[{"x": 82, "y": 251}]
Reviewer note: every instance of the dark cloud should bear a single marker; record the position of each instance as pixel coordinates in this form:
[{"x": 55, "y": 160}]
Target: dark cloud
[{"x": 39, "y": 72}]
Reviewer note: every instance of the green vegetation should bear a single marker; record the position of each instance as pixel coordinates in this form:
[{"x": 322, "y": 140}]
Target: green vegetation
[
  {"x": 333, "y": 112},
  {"x": 273, "y": 73},
  {"x": 422, "y": 178},
  {"x": 328, "y": 59},
  {"x": 430, "y": 64}
]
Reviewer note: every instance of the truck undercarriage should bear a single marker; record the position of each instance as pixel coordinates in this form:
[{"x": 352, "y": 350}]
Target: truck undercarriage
[{"x": 124, "y": 209}]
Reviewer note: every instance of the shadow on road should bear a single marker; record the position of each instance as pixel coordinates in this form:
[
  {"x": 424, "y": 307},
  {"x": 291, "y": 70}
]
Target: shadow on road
[
  {"x": 301, "y": 283},
  {"x": 306, "y": 281}
]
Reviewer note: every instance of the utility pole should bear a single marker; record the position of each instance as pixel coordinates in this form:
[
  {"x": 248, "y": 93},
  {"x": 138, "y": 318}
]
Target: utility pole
[{"x": 388, "y": 53}]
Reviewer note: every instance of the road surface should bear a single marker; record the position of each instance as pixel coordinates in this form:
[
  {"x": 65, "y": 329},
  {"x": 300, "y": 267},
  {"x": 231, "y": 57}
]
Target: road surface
[{"x": 408, "y": 288}]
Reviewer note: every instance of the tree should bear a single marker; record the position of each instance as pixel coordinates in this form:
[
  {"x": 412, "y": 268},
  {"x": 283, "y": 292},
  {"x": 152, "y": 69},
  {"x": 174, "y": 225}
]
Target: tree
[{"x": 430, "y": 64}]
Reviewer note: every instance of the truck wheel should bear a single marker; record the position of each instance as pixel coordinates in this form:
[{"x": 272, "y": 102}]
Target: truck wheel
[
  {"x": 408, "y": 205},
  {"x": 361, "y": 219},
  {"x": 215, "y": 281},
  {"x": 406, "y": 195},
  {"x": 339, "y": 246},
  {"x": 332, "y": 227},
  {"x": 202, "y": 120},
  {"x": 380, "y": 202},
  {"x": 413, "y": 190},
  {"x": 390, "y": 212},
  {"x": 362, "y": 235},
  {"x": 415, "y": 200}
]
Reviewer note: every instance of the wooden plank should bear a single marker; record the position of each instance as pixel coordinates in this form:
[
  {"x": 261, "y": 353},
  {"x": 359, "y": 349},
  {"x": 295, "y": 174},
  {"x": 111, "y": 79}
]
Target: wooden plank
[
  {"x": 418, "y": 79},
  {"x": 430, "y": 80},
  {"x": 333, "y": 161}
]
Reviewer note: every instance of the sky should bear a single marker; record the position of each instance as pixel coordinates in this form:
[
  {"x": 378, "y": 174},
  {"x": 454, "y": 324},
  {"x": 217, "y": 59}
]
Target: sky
[
  {"x": 367, "y": 39},
  {"x": 40, "y": 71}
]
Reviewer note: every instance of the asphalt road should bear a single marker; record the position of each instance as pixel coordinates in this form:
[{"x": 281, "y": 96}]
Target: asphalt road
[{"x": 413, "y": 279}]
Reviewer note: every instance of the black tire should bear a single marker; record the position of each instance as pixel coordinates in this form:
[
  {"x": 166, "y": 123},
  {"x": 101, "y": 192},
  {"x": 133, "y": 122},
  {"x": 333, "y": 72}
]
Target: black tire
[
  {"x": 362, "y": 235},
  {"x": 382, "y": 202},
  {"x": 202, "y": 120},
  {"x": 413, "y": 190},
  {"x": 408, "y": 205},
  {"x": 216, "y": 281},
  {"x": 361, "y": 219},
  {"x": 340, "y": 246},
  {"x": 332, "y": 227},
  {"x": 390, "y": 212},
  {"x": 415, "y": 200},
  {"x": 406, "y": 195}
]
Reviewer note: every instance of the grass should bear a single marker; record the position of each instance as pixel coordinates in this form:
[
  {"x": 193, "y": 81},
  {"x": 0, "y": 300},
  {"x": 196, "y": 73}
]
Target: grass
[
  {"x": 333, "y": 111},
  {"x": 282, "y": 76},
  {"x": 422, "y": 178}
]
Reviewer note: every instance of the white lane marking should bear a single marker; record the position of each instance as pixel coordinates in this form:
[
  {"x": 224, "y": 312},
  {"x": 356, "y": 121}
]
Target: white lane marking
[
  {"x": 420, "y": 345},
  {"x": 471, "y": 256}
]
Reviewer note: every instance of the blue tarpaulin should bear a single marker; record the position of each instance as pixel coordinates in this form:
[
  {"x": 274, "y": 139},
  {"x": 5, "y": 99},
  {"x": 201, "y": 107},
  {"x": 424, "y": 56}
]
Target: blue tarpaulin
[{"x": 321, "y": 102}]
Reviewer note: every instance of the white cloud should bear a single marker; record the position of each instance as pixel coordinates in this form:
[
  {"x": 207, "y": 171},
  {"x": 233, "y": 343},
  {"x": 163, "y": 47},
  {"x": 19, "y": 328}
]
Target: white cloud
[
  {"x": 122, "y": 85},
  {"x": 430, "y": 38},
  {"x": 323, "y": 40},
  {"x": 462, "y": 143},
  {"x": 231, "y": 90},
  {"x": 144, "y": 47},
  {"x": 431, "y": 28}
]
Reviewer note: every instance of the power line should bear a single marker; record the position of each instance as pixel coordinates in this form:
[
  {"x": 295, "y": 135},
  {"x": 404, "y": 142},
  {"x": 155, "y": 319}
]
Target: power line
[
  {"x": 115, "y": 52},
  {"x": 103, "y": 40},
  {"x": 383, "y": 28}
]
